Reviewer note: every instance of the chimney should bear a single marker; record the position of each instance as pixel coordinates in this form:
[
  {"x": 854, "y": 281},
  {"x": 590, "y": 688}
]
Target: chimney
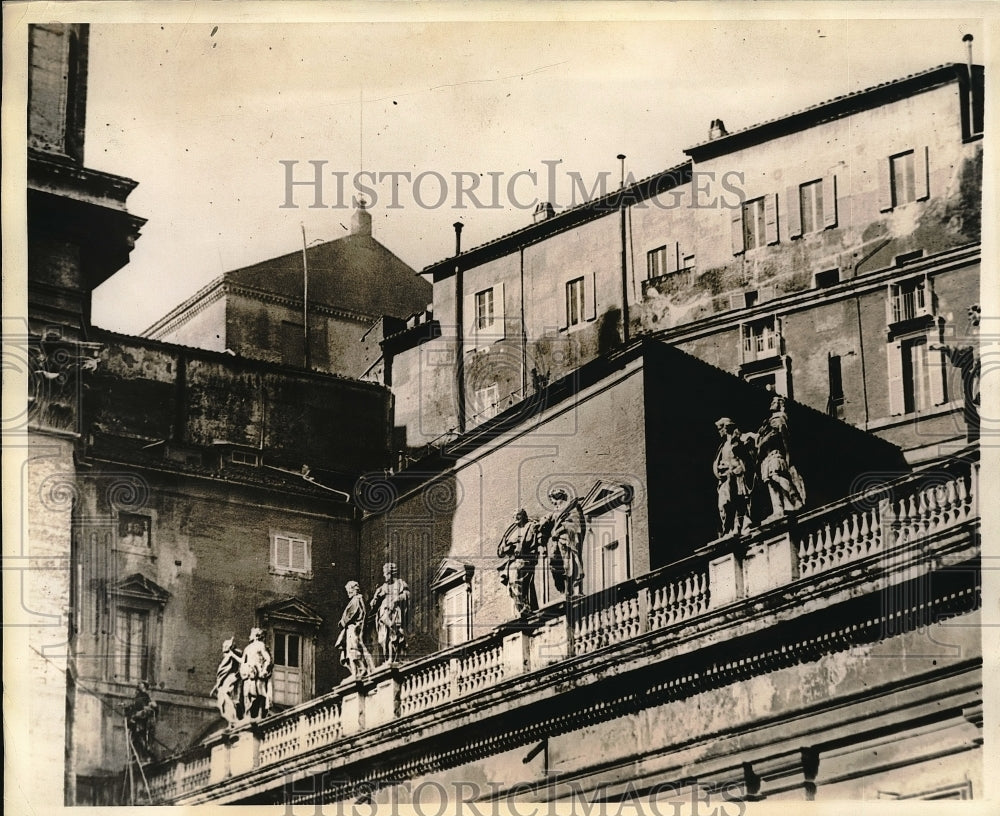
[
  {"x": 717, "y": 130},
  {"x": 543, "y": 212},
  {"x": 458, "y": 237},
  {"x": 361, "y": 219}
]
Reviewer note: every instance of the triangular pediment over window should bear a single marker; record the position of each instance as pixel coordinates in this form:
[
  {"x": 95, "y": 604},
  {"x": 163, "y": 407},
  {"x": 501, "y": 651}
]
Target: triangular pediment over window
[
  {"x": 137, "y": 587},
  {"x": 290, "y": 611},
  {"x": 451, "y": 572},
  {"x": 604, "y": 496}
]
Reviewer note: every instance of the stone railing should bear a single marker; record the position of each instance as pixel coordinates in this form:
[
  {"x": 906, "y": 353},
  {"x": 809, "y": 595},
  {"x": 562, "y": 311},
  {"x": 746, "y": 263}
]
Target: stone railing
[{"x": 884, "y": 522}]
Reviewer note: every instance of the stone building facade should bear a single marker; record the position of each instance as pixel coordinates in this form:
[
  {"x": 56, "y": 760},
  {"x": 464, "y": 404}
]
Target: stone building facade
[
  {"x": 353, "y": 285},
  {"x": 184, "y": 495},
  {"x": 818, "y": 254}
]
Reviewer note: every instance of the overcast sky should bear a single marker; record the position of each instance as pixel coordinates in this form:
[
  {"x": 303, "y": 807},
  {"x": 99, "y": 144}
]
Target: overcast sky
[{"x": 202, "y": 114}]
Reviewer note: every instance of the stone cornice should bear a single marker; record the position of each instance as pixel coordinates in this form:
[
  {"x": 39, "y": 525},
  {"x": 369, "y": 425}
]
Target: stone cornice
[{"x": 795, "y": 623}]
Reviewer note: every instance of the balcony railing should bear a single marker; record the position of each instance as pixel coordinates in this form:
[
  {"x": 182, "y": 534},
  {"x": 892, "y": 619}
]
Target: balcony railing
[{"x": 891, "y": 518}]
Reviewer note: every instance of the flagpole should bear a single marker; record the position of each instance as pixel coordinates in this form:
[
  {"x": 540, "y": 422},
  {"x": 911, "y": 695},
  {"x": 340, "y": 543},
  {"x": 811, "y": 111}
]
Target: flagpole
[{"x": 305, "y": 300}]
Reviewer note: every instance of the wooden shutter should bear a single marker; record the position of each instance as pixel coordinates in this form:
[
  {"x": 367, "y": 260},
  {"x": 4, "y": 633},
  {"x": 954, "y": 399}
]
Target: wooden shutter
[
  {"x": 673, "y": 257},
  {"x": 829, "y": 201},
  {"x": 921, "y": 174},
  {"x": 563, "y": 301},
  {"x": 793, "y": 206},
  {"x": 590, "y": 296},
  {"x": 937, "y": 367},
  {"x": 499, "y": 330},
  {"x": 469, "y": 320},
  {"x": 894, "y": 369},
  {"x": 885, "y": 185},
  {"x": 771, "y": 219},
  {"x": 736, "y": 224}
]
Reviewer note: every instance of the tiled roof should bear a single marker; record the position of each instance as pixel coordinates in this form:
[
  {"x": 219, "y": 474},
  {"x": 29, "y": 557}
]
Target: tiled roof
[{"x": 836, "y": 107}]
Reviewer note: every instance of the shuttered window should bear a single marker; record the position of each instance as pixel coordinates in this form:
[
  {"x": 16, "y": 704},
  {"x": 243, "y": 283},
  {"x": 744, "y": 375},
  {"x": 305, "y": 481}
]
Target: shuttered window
[{"x": 290, "y": 553}]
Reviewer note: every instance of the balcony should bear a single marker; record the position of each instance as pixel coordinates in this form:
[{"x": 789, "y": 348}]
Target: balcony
[{"x": 859, "y": 546}]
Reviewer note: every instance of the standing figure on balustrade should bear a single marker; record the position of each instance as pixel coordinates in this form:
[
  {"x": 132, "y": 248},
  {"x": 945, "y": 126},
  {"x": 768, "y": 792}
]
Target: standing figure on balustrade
[
  {"x": 966, "y": 359},
  {"x": 392, "y": 604},
  {"x": 256, "y": 673},
  {"x": 228, "y": 686},
  {"x": 519, "y": 549},
  {"x": 354, "y": 655},
  {"x": 566, "y": 528},
  {"x": 734, "y": 468},
  {"x": 784, "y": 485},
  {"x": 140, "y": 718}
]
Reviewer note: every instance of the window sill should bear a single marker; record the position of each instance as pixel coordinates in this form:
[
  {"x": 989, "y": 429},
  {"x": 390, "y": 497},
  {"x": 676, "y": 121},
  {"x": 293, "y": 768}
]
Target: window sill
[
  {"x": 305, "y": 575},
  {"x": 914, "y": 416},
  {"x": 577, "y": 326}
]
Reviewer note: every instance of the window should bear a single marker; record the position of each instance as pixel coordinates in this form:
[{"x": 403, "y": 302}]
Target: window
[
  {"x": 484, "y": 309},
  {"x": 286, "y": 677},
  {"x": 455, "y": 615},
  {"x": 244, "y": 458},
  {"x": 908, "y": 300},
  {"x": 753, "y": 224},
  {"x": 291, "y": 626},
  {"x": 133, "y": 530},
  {"x": 656, "y": 262},
  {"x": 131, "y": 647},
  {"x": 607, "y": 557},
  {"x": 487, "y": 402},
  {"x": 483, "y": 317},
  {"x": 574, "y": 302},
  {"x": 761, "y": 340},
  {"x": 905, "y": 179},
  {"x": 290, "y": 554},
  {"x": 811, "y": 205},
  {"x": 835, "y": 404},
  {"x": 916, "y": 375},
  {"x": 903, "y": 186},
  {"x": 828, "y": 277},
  {"x": 136, "y": 628},
  {"x": 452, "y": 587}
]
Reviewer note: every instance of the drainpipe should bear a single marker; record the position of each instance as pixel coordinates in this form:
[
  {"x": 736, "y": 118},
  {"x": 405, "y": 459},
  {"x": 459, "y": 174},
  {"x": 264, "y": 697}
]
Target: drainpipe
[
  {"x": 524, "y": 333},
  {"x": 861, "y": 334},
  {"x": 624, "y": 236},
  {"x": 459, "y": 331}
]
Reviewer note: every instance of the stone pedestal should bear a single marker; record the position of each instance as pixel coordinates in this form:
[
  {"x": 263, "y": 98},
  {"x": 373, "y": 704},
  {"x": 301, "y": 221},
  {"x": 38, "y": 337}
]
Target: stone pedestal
[
  {"x": 218, "y": 768},
  {"x": 725, "y": 580},
  {"x": 244, "y": 752},
  {"x": 381, "y": 704},
  {"x": 770, "y": 562},
  {"x": 516, "y": 653},
  {"x": 352, "y": 708}
]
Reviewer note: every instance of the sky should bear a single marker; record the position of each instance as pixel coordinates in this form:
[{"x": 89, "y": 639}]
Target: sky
[{"x": 202, "y": 114}]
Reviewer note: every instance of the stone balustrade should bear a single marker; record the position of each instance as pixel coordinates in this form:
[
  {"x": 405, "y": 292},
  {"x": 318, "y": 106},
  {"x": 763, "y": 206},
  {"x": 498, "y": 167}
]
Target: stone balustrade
[{"x": 884, "y": 522}]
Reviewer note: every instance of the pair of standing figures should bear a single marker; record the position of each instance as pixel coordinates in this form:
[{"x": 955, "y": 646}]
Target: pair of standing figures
[
  {"x": 520, "y": 545},
  {"x": 391, "y": 604},
  {"x": 243, "y": 680},
  {"x": 742, "y": 457}
]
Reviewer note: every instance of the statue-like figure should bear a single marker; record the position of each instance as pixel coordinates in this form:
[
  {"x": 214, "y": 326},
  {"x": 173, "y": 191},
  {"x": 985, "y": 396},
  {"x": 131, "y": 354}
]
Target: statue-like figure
[
  {"x": 228, "y": 686},
  {"x": 519, "y": 549},
  {"x": 256, "y": 673},
  {"x": 566, "y": 529},
  {"x": 782, "y": 480},
  {"x": 966, "y": 360},
  {"x": 734, "y": 468},
  {"x": 140, "y": 714},
  {"x": 392, "y": 602},
  {"x": 354, "y": 655}
]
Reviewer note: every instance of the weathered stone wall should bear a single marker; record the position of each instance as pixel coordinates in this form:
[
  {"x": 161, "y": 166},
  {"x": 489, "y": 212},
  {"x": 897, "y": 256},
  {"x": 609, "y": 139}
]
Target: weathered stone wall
[
  {"x": 462, "y": 515},
  {"x": 210, "y": 550}
]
